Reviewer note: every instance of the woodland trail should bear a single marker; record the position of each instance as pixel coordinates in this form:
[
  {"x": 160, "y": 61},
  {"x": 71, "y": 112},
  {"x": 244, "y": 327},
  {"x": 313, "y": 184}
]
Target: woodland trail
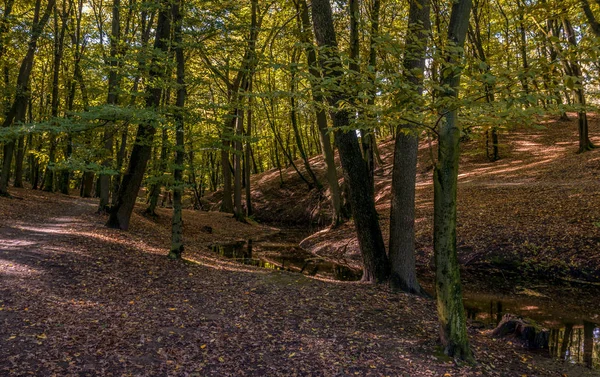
[{"x": 78, "y": 299}]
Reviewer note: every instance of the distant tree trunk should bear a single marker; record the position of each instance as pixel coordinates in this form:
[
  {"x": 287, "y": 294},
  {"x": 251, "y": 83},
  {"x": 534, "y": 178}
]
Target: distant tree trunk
[
  {"x": 404, "y": 172},
  {"x": 227, "y": 203},
  {"x": 87, "y": 187},
  {"x": 112, "y": 99},
  {"x": 19, "y": 162},
  {"x": 16, "y": 112},
  {"x": 337, "y": 216},
  {"x": 451, "y": 313},
  {"x": 140, "y": 154},
  {"x": 248, "y": 150},
  {"x": 523, "y": 46},
  {"x": 238, "y": 211},
  {"x": 479, "y": 52},
  {"x": 295, "y": 128},
  {"x": 159, "y": 176},
  {"x": 177, "y": 222},
  {"x": 375, "y": 262},
  {"x": 573, "y": 69},
  {"x": 59, "y": 39}
]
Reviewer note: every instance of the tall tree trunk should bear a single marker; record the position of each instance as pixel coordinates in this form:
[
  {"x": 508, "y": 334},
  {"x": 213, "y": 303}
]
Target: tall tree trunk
[
  {"x": 375, "y": 262},
  {"x": 121, "y": 213},
  {"x": 248, "y": 149},
  {"x": 112, "y": 99},
  {"x": 16, "y": 112},
  {"x": 451, "y": 313},
  {"x": 238, "y": 211},
  {"x": 404, "y": 171},
  {"x": 337, "y": 215},
  {"x": 177, "y": 221},
  {"x": 59, "y": 37}
]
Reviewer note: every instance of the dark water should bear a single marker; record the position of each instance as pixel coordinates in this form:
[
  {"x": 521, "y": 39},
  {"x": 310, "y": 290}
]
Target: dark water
[
  {"x": 285, "y": 257},
  {"x": 574, "y": 335}
]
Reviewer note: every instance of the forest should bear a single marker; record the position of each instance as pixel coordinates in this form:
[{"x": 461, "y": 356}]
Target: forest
[{"x": 300, "y": 187}]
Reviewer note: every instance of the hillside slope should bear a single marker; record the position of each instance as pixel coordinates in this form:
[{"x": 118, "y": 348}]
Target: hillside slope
[{"x": 537, "y": 207}]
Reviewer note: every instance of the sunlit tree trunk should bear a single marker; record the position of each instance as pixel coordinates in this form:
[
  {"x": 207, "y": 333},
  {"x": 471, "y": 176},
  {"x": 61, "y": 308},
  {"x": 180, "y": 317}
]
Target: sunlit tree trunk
[
  {"x": 574, "y": 69},
  {"x": 16, "y": 112}
]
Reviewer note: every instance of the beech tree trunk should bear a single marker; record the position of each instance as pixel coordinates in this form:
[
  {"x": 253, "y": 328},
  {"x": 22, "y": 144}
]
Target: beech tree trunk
[
  {"x": 404, "y": 172},
  {"x": 375, "y": 261},
  {"x": 451, "y": 312},
  {"x": 128, "y": 191}
]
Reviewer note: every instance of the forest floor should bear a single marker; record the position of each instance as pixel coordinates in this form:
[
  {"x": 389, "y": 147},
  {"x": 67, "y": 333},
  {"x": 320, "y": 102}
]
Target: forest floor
[{"x": 79, "y": 299}]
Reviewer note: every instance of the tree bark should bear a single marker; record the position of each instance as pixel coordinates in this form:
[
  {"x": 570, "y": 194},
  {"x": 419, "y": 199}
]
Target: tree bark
[
  {"x": 404, "y": 171},
  {"x": 451, "y": 313},
  {"x": 140, "y": 154},
  {"x": 375, "y": 262}
]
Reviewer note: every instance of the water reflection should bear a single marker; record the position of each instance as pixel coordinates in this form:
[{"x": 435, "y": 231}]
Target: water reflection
[
  {"x": 570, "y": 339},
  {"x": 577, "y": 344},
  {"x": 285, "y": 257}
]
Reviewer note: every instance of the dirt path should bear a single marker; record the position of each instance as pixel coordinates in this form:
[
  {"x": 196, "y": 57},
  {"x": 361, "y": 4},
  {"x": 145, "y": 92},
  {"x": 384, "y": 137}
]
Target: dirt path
[{"x": 78, "y": 299}]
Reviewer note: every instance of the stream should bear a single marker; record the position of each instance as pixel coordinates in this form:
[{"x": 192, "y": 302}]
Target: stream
[{"x": 573, "y": 323}]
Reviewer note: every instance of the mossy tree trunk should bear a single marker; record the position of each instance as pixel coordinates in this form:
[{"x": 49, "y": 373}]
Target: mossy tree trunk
[{"x": 451, "y": 312}]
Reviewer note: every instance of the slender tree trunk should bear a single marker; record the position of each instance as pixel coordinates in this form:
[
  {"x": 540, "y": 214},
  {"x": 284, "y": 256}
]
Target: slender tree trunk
[
  {"x": 337, "y": 216},
  {"x": 227, "y": 203},
  {"x": 585, "y": 144},
  {"x": 404, "y": 172},
  {"x": 295, "y": 128},
  {"x": 451, "y": 313},
  {"x": 19, "y": 162},
  {"x": 140, "y": 154},
  {"x": 376, "y": 266},
  {"x": 156, "y": 187},
  {"x": 238, "y": 211},
  {"x": 112, "y": 99},
  {"x": 59, "y": 38},
  {"x": 177, "y": 221},
  {"x": 248, "y": 150},
  {"x": 16, "y": 112}
]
